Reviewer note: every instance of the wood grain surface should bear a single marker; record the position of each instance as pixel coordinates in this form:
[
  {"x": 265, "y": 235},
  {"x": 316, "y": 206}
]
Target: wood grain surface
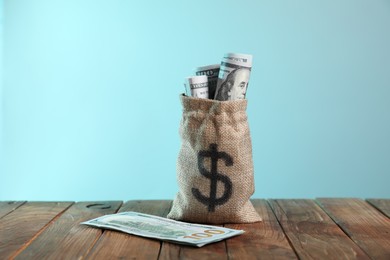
[
  {"x": 24, "y": 224},
  {"x": 117, "y": 245},
  {"x": 66, "y": 238},
  {"x": 365, "y": 225},
  {"x": 7, "y": 207},
  {"x": 261, "y": 240},
  {"x": 291, "y": 229},
  {"x": 312, "y": 232},
  {"x": 383, "y": 205},
  {"x": 212, "y": 251}
]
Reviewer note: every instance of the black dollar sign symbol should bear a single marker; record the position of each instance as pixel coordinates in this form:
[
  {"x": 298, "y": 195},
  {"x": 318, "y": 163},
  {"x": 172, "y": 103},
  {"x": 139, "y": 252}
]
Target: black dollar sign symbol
[{"x": 214, "y": 177}]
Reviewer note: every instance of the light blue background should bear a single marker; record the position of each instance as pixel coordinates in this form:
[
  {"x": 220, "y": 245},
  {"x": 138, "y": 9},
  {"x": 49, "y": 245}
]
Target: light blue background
[
  {"x": 90, "y": 103},
  {"x": 1, "y": 92}
]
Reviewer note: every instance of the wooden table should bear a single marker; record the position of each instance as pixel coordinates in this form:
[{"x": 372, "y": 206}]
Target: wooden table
[{"x": 291, "y": 229}]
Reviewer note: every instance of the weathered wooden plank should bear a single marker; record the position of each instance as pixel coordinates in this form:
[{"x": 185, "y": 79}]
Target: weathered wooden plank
[
  {"x": 261, "y": 240},
  {"x": 66, "y": 238},
  {"x": 383, "y": 205},
  {"x": 7, "y": 207},
  {"x": 118, "y": 245},
  {"x": 212, "y": 251},
  {"x": 312, "y": 232},
  {"x": 170, "y": 251},
  {"x": 23, "y": 225},
  {"x": 366, "y": 226}
]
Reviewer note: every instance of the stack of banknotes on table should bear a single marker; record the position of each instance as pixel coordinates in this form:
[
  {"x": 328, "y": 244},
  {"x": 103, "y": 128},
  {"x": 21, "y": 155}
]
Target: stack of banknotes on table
[
  {"x": 226, "y": 81},
  {"x": 150, "y": 226}
]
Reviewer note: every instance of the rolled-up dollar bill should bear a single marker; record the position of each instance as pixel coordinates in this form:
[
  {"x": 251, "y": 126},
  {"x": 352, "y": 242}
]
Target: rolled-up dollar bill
[
  {"x": 197, "y": 86},
  {"x": 211, "y": 71},
  {"x": 233, "y": 77}
]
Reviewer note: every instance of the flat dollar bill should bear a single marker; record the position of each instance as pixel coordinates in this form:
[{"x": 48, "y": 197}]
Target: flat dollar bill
[{"x": 150, "y": 226}]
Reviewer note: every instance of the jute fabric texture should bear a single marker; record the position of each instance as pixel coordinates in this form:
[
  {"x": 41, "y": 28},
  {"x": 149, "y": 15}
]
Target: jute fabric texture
[{"x": 214, "y": 166}]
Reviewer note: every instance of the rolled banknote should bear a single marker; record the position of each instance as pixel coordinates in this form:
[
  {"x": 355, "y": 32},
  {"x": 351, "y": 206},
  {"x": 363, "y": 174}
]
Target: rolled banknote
[
  {"x": 197, "y": 86},
  {"x": 233, "y": 76},
  {"x": 211, "y": 71}
]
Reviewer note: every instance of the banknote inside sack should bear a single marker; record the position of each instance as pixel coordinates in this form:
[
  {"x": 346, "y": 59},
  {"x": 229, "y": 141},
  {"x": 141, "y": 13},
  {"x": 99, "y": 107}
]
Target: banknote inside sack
[
  {"x": 164, "y": 229},
  {"x": 225, "y": 81}
]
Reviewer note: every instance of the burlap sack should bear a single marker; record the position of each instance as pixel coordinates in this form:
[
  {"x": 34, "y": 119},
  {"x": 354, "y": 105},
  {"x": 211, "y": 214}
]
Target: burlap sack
[{"x": 214, "y": 167}]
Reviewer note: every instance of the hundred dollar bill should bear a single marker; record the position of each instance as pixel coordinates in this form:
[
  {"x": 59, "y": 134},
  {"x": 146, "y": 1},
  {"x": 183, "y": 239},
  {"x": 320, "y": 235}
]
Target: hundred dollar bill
[
  {"x": 233, "y": 76},
  {"x": 163, "y": 229},
  {"x": 197, "y": 86},
  {"x": 211, "y": 71}
]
